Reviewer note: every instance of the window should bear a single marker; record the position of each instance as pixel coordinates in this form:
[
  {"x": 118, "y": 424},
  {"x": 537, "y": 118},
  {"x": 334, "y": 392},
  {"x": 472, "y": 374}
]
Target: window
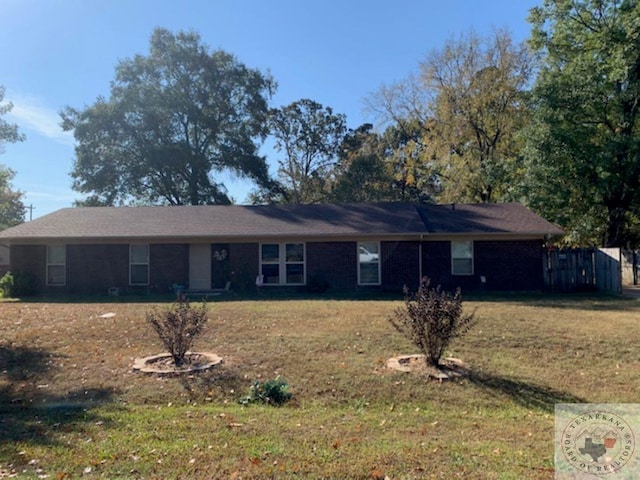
[
  {"x": 139, "y": 264},
  {"x": 462, "y": 257},
  {"x": 369, "y": 263},
  {"x": 282, "y": 263},
  {"x": 56, "y": 265}
]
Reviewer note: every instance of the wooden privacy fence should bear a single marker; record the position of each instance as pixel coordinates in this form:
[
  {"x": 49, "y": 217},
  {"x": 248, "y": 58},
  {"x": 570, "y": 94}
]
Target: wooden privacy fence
[
  {"x": 630, "y": 261},
  {"x": 583, "y": 269}
]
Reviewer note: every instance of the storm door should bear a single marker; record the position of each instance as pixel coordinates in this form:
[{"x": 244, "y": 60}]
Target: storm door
[{"x": 200, "y": 266}]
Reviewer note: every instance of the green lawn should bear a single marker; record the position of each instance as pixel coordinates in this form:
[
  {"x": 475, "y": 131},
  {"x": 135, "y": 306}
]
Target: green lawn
[{"x": 70, "y": 405}]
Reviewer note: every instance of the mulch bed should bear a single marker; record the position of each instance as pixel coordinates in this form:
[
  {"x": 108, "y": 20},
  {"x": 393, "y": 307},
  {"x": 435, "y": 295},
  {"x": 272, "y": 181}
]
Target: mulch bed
[{"x": 163, "y": 363}]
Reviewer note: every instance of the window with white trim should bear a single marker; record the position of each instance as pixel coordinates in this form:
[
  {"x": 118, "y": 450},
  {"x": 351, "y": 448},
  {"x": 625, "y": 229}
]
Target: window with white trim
[
  {"x": 139, "y": 264},
  {"x": 282, "y": 263},
  {"x": 462, "y": 257},
  {"x": 369, "y": 263},
  {"x": 56, "y": 265}
]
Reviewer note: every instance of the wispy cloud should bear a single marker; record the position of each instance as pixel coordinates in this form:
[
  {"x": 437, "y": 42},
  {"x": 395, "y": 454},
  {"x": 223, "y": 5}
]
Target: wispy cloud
[
  {"x": 45, "y": 199},
  {"x": 29, "y": 113},
  {"x": 68, "y": 197}
]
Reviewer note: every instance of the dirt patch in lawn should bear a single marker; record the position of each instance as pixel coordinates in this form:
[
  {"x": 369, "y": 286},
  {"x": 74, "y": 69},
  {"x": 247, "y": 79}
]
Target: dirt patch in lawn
[{"x": 449, "y": 369}]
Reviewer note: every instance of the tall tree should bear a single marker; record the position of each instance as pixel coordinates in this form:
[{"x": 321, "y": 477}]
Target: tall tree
[
  {"x": 468, "y": 102},
  {"x": 376, "y": 167},
  {"x": 477, "y": 86},
  {"x": 362, "y": 175},
  {"x": 308, "y": 135},
  {"x": 174, "y": 120},
  {"x": 8, "y": 131},
  {"x": 413, "y": 174},
  {"x": 583, "y": 152},
  {"x": 12, "y": 208}
]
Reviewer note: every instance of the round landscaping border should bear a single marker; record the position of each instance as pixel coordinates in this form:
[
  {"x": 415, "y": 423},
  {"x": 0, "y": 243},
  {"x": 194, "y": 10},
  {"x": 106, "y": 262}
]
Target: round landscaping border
[
  {"x": 158, "y": 363},
  {"x": 450, "y": 368}
]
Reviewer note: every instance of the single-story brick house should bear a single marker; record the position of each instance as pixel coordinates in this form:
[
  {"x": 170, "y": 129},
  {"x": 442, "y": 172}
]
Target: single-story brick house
[{"x": 343, "y": 247}]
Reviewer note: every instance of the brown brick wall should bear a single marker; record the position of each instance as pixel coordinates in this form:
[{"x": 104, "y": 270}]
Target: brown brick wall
[
  {"x": 169, "y": 264},
  {"x": 93, "y": 269},
  {"x": 436, "y": 263},
  {"x": 506, "y": 266},
  {"x": 400, "y": 265},
  {"x": 30, "y": 259},
  {"x": 243, "y": 263},
  {"x": 96, "y": 268},
  {"x": 333, "y": 262},
  {"x": 510, "y": 265}
]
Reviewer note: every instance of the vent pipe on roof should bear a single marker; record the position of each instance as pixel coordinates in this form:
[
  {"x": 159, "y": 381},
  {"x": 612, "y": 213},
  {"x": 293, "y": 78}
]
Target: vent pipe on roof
[{"x": 453, "y": 206}]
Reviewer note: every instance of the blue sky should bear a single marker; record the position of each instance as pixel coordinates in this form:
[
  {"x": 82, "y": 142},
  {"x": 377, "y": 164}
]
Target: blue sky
[{"x": 57, "y": 53}]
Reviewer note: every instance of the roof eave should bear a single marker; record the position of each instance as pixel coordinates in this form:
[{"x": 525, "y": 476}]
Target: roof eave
[{"x": 203, "y": 237}]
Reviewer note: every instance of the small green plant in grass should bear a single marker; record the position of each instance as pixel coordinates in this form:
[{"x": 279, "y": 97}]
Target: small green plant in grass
[
  {"x": 272, "y": 392},
  {"x": 17, "y": 284},
  {"x": 431, "y": 318},
  {"x": 6, "y": 285},
  {"x": 179, "y": 326}
]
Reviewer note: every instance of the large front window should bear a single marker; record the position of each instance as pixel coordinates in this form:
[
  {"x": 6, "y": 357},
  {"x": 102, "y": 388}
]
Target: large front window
[
  {"x": 462, "y": 257},
  {"x": 282, "y": 263},
  {"x": 56, "y": 265},
  {"x": 369, "y": 263},
  {"x": 139, "y": 264}
]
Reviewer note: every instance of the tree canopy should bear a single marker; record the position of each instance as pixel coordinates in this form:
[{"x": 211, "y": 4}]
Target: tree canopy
[
  {"x": 583, "y": 147},
  {"x": 386, "y": 166},
  {"x": 308, "y": 136},
  {"x": 12, "y": 209},
  {"x": 467, "y": 103},
  {"x": 552, "y": 123},
  {"x": 478, "y": 86},
  {"x": 8, "y": 131},
  {"x": 175, "y": 119},
  {"x": 361, "y": 172},
  {"x": 11, "y": 205}
]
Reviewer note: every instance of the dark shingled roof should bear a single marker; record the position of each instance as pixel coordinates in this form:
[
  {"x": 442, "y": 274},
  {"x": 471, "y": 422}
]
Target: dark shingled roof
[
  {"x": 328, "y": 220},
  {"x": 484, "y": 218}
]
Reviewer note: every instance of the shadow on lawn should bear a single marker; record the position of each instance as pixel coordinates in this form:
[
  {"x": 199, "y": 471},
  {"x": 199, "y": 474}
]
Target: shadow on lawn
[
  {"x": 219, "y": 383},
  {"x": 575, "y": 301},
  {"x": 19, "y": 363},
  {"x": 526, "y": 394},
  {"x": 29, "y": 413}
]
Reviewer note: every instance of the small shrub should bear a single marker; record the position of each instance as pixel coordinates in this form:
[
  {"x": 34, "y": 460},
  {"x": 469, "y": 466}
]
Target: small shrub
[
  {"x": 178, "y": 327},
  {"x": 18, "y": 284},
  {"x": 431, "y": 318},
  {"x": 273, "y": 392},
  {"x": 6, "y": 285}
]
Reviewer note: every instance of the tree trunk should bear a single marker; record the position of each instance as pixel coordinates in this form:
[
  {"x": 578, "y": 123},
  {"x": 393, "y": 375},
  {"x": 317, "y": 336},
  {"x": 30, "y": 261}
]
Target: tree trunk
[
  {"x": 616, "y": 222},
  {"x": 194, "y": 191}
]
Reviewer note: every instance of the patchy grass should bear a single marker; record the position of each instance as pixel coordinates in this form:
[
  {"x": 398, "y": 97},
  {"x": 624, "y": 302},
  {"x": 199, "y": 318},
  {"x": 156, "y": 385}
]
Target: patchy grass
[{"x": 71, "y": 406}]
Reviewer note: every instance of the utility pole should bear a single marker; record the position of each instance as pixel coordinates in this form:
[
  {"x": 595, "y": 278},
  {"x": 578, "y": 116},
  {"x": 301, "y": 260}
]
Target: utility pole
[{"x": 31, "y": 208}]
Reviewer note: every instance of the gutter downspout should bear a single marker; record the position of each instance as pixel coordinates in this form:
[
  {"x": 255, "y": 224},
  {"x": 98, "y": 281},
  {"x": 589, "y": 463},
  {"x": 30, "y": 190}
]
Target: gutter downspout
[{"x": 420, "y": 257}]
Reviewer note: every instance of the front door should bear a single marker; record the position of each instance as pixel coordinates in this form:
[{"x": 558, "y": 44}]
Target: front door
[
  {"x": 200, "y": 266},
  {"x": 220, "y": 266}
]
